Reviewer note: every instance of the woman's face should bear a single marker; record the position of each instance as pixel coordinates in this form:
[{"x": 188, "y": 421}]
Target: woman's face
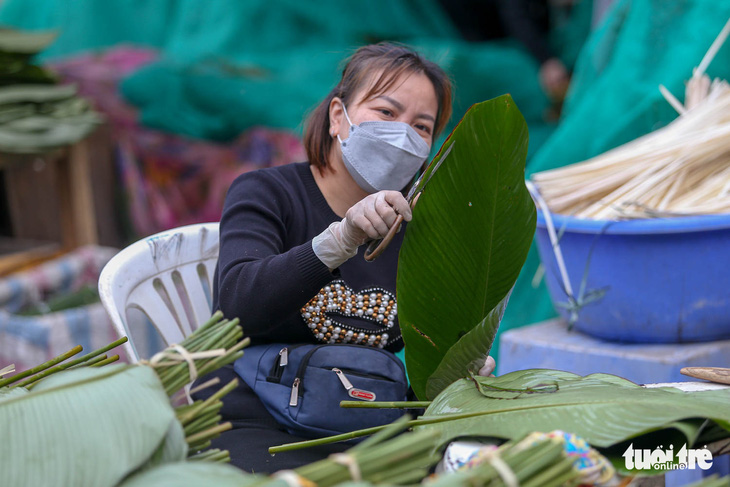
[{"x": 411, "y": 99}]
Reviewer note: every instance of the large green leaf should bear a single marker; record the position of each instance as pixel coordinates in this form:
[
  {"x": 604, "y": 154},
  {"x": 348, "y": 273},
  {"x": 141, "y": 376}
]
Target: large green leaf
[
  {"x": 464, "y": 248},
  {"x": 194, "y": 474},
  {"x": 8, "y": 393},
  {"x": 86, "y": 427},
  {"x": 605, "y": 410}
]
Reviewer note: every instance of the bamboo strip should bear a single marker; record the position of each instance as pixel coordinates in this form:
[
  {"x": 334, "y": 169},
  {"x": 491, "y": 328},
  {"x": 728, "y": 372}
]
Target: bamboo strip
[{"x": 679, "y": 169}]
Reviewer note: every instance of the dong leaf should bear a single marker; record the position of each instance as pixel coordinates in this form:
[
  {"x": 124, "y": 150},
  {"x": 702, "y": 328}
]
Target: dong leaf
[
  {"x": 464, "y": 248},
  {"x": 607, "y": 411},
  {"x": 87, "y": 427},
  {"x": 194, "y": 474}
]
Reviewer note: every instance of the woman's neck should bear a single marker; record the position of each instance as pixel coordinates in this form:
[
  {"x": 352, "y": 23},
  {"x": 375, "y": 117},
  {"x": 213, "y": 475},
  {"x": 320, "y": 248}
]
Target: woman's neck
[{"x": 339, "y": 188}]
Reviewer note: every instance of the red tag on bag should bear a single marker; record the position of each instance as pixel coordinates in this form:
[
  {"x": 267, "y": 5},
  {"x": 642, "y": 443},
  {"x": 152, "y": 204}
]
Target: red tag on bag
[{"x": 361, "y": 394}]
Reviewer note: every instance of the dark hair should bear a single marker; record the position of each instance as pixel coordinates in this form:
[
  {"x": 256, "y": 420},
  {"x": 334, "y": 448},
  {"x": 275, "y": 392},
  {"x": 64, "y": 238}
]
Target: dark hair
[{"x": 392, "y": 60}]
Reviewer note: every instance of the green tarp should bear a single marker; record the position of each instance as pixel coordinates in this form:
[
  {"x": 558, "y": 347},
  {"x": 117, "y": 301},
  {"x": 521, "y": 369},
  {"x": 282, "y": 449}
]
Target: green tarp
[
  {"x": 614, "y": 97},
  {"x": 227, "y": 65}
]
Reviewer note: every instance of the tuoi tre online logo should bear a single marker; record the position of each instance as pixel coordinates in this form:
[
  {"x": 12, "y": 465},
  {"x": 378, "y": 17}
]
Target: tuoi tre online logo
[{"x": 658, "y": 459}]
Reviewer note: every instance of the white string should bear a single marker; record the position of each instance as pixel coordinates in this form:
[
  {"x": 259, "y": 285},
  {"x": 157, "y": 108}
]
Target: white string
[
  {"x": 350, "y": 462},
  {"x": 183, "y": 355},
  {"x": 292, "y": 479},
  {"x": 553, "y": 237},
  {"x": 504, "y": 470}
]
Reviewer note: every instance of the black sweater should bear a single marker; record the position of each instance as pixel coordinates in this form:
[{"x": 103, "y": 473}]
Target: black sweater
[{"x": 270, "y": 278}]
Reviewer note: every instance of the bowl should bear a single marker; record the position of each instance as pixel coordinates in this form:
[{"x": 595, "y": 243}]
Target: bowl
[{"x": 664, "y": 280}]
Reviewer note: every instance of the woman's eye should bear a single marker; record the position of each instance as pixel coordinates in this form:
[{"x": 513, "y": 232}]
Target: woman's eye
[
  {"x": 386, "y": 112},
  {"x": 423, "y": 128}
]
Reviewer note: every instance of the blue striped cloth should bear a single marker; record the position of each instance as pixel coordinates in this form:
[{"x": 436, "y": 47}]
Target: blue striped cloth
[{"x": 27, "y": 341}]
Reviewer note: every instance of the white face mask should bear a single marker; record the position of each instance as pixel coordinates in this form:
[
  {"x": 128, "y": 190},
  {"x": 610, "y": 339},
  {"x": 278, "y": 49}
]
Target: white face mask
[{"x": 382, "y": 155}]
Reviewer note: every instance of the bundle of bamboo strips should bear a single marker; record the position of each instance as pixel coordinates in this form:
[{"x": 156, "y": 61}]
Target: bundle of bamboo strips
[
  {"x": 201, "y": 419},
  {"x": 389, "y": 460},
  {"x": 681, "y": 169}
]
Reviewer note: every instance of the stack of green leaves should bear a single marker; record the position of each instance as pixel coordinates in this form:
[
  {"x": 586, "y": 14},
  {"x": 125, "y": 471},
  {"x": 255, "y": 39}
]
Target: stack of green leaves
[
  {"x": 68, "y": 423},
  {"x": 402, "y": 460},
  {"x": 540, "y": 464},
  {"x": 607, "y": 411},
  {"x": 379, "y": 460},
  {"x": 87, "y": 426},
  {"x": 37, "y": 114},
  {"x": 16, "y": 52},
  {"x": 387, "y": 459}
]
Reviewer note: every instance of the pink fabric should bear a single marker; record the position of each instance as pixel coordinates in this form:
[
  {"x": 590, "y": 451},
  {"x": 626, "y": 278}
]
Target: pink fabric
[{"x": 169, "y": 180}]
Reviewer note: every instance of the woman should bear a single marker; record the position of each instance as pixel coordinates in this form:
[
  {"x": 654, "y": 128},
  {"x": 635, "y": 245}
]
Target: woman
[{"x": 291, "y": 231}]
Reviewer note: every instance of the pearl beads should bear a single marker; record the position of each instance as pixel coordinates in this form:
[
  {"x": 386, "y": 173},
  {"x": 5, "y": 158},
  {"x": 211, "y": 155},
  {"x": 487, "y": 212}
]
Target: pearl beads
[{"x": 374, "y": 305}]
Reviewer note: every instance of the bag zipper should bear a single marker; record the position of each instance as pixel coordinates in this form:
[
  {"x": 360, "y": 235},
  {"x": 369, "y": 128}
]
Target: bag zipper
[
  {"x": 283, "y": 357},
  {"x": 367, "y": 376},
  {"x": 294, "y": 396},
  {"x": 297, "y": 389},
  {"x": 353, "y": 391},
  {"x": 282, "y": 360}
]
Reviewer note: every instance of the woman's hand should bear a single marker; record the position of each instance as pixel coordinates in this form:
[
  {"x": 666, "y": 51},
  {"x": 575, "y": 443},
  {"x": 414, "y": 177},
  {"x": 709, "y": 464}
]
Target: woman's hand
[{"x": 369, "y": 218}]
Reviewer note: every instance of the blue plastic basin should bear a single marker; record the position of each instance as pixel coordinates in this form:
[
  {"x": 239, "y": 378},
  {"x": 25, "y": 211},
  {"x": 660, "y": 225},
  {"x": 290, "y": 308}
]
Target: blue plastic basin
[{"x": 666, "y": 280}]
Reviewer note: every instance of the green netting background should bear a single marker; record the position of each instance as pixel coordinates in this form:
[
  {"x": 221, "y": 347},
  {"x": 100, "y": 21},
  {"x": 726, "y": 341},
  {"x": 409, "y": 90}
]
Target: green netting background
[
  {"x": 614, "y": 97},
  {"x": 227, "y": 66}
]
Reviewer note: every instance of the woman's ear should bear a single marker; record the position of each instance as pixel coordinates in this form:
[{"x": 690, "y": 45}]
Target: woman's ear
[{"x": 336, "y": 115}]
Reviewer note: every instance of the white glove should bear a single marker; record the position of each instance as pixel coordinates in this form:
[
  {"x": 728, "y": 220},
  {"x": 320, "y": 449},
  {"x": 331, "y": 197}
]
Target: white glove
[{"x": 369, "y": 218}]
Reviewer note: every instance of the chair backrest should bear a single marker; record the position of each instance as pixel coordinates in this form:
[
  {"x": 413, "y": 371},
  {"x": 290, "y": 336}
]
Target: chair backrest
[{"x": 168, "y": 276}]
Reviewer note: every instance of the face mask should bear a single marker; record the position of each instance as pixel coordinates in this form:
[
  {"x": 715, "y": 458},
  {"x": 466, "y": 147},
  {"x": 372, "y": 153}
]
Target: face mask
[{"x": 382, "y": 155}]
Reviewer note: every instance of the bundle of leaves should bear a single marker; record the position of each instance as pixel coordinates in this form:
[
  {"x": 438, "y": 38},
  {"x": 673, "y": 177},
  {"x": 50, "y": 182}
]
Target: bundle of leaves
[
  {"x": 73, "y": 422},
  {"x": 384, "y": 460},
  {"x": 16, "y": 57},
  {"x": 607, "y": 411},
  {"x": 36, "y": 113}
]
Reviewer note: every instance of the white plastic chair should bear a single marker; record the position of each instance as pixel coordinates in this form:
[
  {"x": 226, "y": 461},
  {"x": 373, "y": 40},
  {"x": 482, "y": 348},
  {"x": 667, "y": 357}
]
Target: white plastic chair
[{"x": 168, "y": 276}]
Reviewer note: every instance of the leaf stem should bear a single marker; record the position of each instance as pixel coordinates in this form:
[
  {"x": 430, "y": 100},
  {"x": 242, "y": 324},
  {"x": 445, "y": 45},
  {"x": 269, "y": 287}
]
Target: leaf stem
[
  {"x": 32, "y": 380},
  {"x": 80, "y": 360},
  {"x": 391, "y": 430},
  {"x": 209, "y": 433},
  {"x": 190, "y": 414},
  {"x": 201, "y": 424},
  {"x": 324, "y": 441},
  {"x": 106, "y": 361},
  {"x": 213, "y": 455},
  {"x": 41, "y": 367},
  {"x": 385, "y": 404},
  {"x": 87, "y": 363}
]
